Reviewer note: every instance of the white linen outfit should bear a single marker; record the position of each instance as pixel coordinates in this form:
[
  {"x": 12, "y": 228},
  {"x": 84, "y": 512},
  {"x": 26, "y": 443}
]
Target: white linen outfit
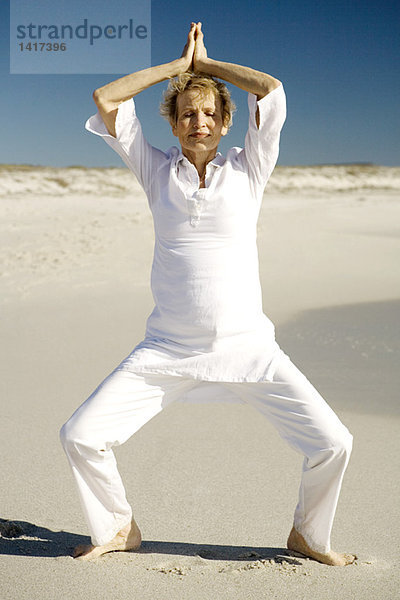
[{"x": 207, "y": 325}]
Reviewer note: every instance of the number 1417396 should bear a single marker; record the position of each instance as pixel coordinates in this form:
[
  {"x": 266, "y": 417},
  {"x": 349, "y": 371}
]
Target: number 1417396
[{"x": 42, "y": 46}]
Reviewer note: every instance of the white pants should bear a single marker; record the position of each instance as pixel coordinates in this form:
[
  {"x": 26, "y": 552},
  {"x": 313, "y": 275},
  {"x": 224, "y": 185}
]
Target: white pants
[{"x": 125, "y": 401}]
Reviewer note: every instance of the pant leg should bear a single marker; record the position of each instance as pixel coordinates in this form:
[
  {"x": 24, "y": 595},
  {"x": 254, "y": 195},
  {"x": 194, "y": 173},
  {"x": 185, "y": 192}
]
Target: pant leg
[
  {"x": 309, "y": 425},
  {"x": 118, "y": 408}
]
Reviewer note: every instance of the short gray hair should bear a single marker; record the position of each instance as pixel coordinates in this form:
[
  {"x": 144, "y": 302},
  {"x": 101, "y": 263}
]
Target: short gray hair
[{"x": 200, "y": 81}]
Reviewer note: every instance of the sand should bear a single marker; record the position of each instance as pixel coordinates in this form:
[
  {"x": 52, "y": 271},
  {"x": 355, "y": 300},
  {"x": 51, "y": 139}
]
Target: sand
[{"x": 212, "y": 485}]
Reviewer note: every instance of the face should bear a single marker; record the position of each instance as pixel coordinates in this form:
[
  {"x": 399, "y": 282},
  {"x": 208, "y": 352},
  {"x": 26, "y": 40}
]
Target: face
[{"x": 199, "y": 124}]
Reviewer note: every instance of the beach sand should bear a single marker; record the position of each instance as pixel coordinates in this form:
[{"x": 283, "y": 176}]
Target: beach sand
[{"x": 212, "y": 485}]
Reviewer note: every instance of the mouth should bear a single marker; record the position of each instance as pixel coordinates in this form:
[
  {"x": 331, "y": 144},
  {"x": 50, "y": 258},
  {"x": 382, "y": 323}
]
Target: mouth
[{"x": 199, "y": 135}]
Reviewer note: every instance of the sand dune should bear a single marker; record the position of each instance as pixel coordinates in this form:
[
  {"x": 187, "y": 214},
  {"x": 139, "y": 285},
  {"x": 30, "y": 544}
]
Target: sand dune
[{"x": 27, "y": 179}]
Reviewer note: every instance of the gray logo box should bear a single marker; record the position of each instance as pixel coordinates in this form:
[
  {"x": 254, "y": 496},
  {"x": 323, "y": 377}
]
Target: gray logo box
[{"x": 61, "y": 37}]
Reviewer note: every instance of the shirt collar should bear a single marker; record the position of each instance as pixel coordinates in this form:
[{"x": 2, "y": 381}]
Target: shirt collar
[{"x": 217, "y": 161}]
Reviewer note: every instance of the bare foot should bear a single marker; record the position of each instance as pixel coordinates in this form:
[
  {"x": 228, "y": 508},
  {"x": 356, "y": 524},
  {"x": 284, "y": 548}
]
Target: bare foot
[
  {"x": 129, "y": 538},
  {"x": 297, "y": 543}
]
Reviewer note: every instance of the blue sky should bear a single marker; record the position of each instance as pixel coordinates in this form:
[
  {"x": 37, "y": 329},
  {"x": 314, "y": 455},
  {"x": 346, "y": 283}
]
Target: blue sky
[{"x": 339, "y": 62}]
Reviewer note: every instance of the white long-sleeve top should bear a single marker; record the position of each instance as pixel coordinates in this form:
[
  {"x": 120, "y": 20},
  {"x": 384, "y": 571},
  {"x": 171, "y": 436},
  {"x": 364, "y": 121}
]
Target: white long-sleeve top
[{"x": 208, "y": 322}]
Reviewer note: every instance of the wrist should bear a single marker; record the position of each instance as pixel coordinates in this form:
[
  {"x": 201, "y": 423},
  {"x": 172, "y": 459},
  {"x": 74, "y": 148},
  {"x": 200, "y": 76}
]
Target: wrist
[
  {"x": 202, "y": 64},
  {"x": 181, "y": 65}
]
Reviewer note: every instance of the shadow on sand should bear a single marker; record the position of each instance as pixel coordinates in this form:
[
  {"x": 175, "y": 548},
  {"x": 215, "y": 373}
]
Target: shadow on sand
[
  {"x": 20, "y": 538},
  {"x": 350, "y": 353}
]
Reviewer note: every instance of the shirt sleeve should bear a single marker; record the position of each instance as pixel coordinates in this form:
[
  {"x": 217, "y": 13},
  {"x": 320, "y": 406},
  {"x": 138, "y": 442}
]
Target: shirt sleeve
[
  {"x": 261, "y": 146},
  {"x": 136, "y": 152}
]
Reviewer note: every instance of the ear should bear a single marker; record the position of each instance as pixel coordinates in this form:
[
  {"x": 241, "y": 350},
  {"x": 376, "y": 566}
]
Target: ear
[
  {"x": 174, "y": 130},
  {"x": 224, "y": 130}
]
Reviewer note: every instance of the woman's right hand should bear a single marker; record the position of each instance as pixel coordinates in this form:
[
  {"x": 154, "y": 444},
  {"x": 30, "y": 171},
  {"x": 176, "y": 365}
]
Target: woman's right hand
[{"x": 188, "y": 51}]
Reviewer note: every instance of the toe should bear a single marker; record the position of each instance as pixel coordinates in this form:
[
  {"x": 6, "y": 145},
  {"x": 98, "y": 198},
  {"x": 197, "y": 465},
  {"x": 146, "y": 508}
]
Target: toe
[
  {"x": 78, "y": 551},
  {"x": 83, "y": 552}
]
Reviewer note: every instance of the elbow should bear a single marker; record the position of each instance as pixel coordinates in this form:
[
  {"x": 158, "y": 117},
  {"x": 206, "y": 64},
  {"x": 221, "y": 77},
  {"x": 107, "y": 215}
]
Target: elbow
[
  {"x": 272, "y": 84},
  {"x": 268, "y": 86},
  {"x": 96, "y": 95},
  {"x": 102, "y": 102}
]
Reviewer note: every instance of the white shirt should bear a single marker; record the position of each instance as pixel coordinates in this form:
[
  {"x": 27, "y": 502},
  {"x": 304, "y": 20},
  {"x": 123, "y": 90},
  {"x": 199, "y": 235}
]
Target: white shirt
[{"x": 208, "y": 321}]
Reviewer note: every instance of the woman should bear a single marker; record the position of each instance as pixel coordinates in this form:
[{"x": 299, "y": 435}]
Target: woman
[{"x": 208, "y": 323}]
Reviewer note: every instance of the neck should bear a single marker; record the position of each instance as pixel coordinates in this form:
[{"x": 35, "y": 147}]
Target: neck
[{"x": 200, "y": 159}]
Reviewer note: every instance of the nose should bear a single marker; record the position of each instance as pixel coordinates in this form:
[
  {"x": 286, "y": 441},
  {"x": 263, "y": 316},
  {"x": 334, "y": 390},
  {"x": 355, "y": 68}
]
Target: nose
[{"x": 198, "y": 120}]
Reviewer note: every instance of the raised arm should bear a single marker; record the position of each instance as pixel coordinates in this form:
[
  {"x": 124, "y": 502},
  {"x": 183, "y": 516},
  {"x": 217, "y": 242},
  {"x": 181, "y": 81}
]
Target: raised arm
[
  {"x": 250, "y": 80},
  {"x": 110, "y": 96}
]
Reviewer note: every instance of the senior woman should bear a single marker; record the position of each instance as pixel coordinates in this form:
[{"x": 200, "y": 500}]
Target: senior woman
[{"x": 207, "y": 324}]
